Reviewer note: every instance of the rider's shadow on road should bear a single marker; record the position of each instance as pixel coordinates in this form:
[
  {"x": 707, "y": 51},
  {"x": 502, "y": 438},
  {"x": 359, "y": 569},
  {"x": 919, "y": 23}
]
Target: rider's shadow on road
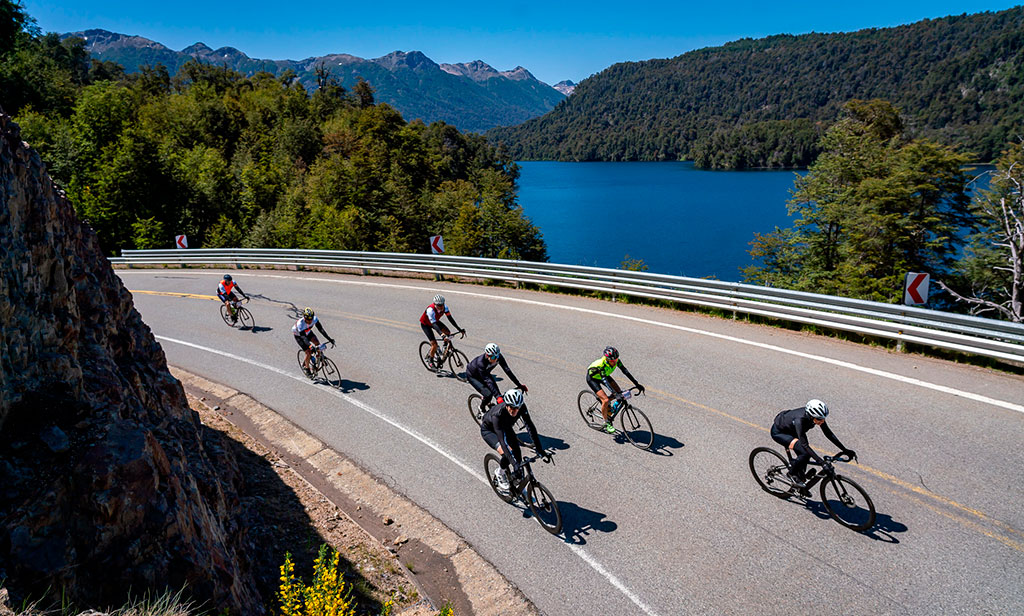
[
  {"x": 578, "y": 522},
  {"x": 346, "y": 386},
  {"x": 550, "y": 443},
  {"x": 662, "y": 444},
  {"x": 882, "y": 531}
]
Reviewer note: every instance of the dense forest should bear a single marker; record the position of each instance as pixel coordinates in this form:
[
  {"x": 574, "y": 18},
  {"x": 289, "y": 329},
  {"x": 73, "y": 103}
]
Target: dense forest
[
  {"x": 764, "y": 103},
  {"x": 253, "y": 161}
]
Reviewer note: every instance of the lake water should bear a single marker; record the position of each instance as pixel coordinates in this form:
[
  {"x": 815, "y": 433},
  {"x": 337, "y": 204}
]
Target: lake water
[{"x": 678, "y": 219}]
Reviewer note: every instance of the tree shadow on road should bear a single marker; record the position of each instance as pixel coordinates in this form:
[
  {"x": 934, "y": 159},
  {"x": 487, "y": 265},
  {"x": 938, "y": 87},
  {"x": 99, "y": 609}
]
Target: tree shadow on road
[{"x": 578, "y": 522}]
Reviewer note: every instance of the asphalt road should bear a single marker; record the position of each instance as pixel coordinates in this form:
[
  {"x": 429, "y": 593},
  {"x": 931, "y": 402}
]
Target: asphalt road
[{"x": 682, "y": 528}]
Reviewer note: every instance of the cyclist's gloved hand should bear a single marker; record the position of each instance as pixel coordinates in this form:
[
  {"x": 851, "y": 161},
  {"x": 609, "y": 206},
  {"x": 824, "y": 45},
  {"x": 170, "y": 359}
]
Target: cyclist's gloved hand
[
  {"x": 640, "y": 389},
  {"x": 462, "y": 332},
  {"x": 331, "y": 340},
  {"x": 525, "y": 389},
  {"x": 546, "y": 456},
  {"x": 851, "y": 453}
]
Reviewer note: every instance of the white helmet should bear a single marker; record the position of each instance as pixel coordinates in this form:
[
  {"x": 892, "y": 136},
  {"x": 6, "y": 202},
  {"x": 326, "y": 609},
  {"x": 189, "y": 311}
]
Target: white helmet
[
  {"x": 439, "y": 299},
  {"x": 514, "y": 398},
  {"x": 816, "y": 409},
  {"x": 492, "y": 351}
]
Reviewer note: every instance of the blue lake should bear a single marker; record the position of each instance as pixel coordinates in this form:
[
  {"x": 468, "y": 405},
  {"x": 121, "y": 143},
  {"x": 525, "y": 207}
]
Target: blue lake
[{"x": 678, "y": 219}]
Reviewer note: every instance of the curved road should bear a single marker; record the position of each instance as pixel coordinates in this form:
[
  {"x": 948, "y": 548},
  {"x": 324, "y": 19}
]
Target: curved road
[{"x": 681, "y": 529}]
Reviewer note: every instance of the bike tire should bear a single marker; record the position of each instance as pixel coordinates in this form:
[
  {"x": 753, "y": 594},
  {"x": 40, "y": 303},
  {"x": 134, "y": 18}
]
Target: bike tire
[
  {"x": 245, "y": 320},
  {"x": 492, "y": 462},
  {"x": 848, "y": 503},
  {"x": 590, "y": 409},
  {"x": 767, "y": 465},
  {"x": 299, "y": 356},
  {"x": 424, "y": 355},
  {"x": 224, "y": 314},
  {"x": 636, "y": 426},
  {"x": 330, "y": 373},
  {"x": 474, "y": 408},
  {"x": 544, "y": 507},
  {"x": 457, "y": 363}
]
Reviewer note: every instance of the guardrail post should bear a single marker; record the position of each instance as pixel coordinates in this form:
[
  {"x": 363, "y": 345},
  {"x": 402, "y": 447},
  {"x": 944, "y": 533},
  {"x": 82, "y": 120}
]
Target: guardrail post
[{"x": 365, "y": 271}]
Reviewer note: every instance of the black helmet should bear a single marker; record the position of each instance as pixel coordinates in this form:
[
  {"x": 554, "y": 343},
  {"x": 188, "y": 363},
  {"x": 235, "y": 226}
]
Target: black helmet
[
  {"x": 227, "y": 277},
  {"x": 611, "y": 353}
]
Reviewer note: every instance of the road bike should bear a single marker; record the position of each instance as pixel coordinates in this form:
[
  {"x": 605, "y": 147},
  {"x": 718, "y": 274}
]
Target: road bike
[
  {"x": 844, "y": 500},
  {"x": 523, "y": 486},
  {"x": 478, "y": 416},
  {"x": 244, "y": 320},
  {"x": 320, "y": 364},
  {"x": 633, "y": 423},
  {"x": 457, "y": 360}
]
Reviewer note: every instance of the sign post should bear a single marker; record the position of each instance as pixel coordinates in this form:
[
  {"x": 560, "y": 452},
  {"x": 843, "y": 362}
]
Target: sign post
[
  {"x": 436, "y": 244},
  {"x": 915, "y": 289},
  {"x": 180, "y": 242}
]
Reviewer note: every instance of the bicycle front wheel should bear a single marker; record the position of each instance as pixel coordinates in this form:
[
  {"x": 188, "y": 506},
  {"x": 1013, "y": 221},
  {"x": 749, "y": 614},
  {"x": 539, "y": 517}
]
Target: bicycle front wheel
[
  {"x": 636, "y": 427},
  {"x": 474, "y": 408},
  {"x": 544, "y": 507},
  {"x": 457, "y": 363},
  {"x": 300, "y": 356},
  {"x": 590, "y": 409},
  {"x": 245, "y": 320},
  {"x": 329, "y": 372},
  {"x": 425, "y": 356},
  {"x": 224, "y": 314},
  {"x": 492, "y": 465},
  {"x": 848, "y": 503},
  {"x": 768, "y": 466}
]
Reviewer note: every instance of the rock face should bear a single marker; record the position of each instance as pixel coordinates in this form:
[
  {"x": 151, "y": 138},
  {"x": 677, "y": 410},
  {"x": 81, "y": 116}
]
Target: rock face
[{"x": 106, "y": 481}]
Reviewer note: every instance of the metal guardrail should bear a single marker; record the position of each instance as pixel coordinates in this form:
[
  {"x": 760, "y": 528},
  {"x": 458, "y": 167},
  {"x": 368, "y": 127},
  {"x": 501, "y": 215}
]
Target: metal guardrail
[{"x": 968, "y": 334}]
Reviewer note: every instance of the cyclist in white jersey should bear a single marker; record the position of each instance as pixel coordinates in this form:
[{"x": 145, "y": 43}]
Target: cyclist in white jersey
[{"x": 304, "y": 336}]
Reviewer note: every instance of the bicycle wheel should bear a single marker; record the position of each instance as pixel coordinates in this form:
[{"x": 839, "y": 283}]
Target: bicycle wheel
[
  {"x": 425, "y": 356},
  {"x": 636, "y": 427},
  {"x": 848, "y": 503},
  {"x": 457, "y": 363},
  {"x": 329, "y": 372},
  {"x": 545, "y": 507},
  {"x": 224, "y": 314},
  {"x": 474, "y": 407},
  {"x": 590, "y": 409},
  {"x": 245, "y": 319},
  {"x": 492, "y": 463},
  {"x": 300, "y": 355},
  {"x": 767, "y": 466}
]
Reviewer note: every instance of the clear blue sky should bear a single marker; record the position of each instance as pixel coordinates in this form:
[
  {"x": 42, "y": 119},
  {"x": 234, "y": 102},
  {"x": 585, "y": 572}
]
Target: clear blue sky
[{"x": 554, "y": 40}]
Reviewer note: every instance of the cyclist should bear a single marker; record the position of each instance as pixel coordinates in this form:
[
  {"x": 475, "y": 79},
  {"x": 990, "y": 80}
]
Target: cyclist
[
  {"x": 496, "y": 429},
  {"x": 480, "y": 377},
  {"x": 600, "y": 372},
  {"x": 303, "y": 332},
  {"x": 226, "y": 293},
  {"x": 790, "y": 430},
  {"x": 431, "y": 320}
]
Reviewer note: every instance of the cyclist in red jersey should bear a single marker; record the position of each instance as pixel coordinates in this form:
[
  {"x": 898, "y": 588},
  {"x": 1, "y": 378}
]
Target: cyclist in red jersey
[
  {"x": 431, "y": 321},
  {"x": 225, "y": 291}
]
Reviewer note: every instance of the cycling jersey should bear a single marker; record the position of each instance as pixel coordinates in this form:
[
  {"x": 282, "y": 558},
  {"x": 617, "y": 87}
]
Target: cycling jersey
[
  {"x": 226, "y": 287},
  {"x": 794, "y": 424},
  {"x": 496, "y": 427},
  {"x": 601, "y": 370},
  {"x": 481, "y": 368},
  {"x": 301, "y": 328},
  {"x": 431, "y": 316}
]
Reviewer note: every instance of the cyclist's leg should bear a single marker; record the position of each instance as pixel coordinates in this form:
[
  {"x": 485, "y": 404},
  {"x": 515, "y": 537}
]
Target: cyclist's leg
[
  {"x": 445, "y": 331},
  {"x": 303, "y": 343},
  {"x": 480, "y": 388},
  {"x": 803, "y": 457},
  {"x": 595, "y": 386},
  {"x": 492, "y": 390},
  {"x": 492, "y": 440},
  {"x": 429, "y": 333}
]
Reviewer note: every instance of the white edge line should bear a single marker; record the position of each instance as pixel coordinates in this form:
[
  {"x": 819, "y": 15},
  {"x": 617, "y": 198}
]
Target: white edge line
[
  {"x": 827, "y": 360},
  {"x": 580, "y": 552}
]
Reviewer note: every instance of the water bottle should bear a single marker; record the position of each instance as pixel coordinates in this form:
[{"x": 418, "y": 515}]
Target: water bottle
[{"x": 616, "y": 404}]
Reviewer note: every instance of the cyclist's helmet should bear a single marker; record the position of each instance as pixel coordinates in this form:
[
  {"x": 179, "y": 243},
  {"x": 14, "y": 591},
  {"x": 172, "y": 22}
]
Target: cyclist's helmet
[
  {"x": 307, "y": 313},
  {"x": 492, "y": 351},
  {"x": 816, "y": 409},
  {"x": 439, "y": 300},
  {"x": 611, "y": 352},
  {"x": 227, "y": 277},
  {"x": 514, "y": 398}
]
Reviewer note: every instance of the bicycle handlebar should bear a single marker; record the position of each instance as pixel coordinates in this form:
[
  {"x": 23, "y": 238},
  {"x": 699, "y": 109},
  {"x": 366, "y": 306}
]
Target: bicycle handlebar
[{"x": 839, "y": 457}]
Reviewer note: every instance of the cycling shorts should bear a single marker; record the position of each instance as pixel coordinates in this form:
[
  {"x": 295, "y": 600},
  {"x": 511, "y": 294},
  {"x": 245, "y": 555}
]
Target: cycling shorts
[
  {"x": 782, "y": 438},
  {"x": 228, "y": 297},
  {"x": 429, "y": 331},
  {"x": 304, "y": 341},
  {"x": 595, "y": 385}
]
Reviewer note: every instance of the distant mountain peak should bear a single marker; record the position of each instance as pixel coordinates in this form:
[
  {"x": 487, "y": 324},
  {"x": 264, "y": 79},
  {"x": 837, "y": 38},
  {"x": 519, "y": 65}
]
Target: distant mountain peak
[
  {"x": 518, "y": 74},
  {"x": 565, "y": 86},
  {"x": 414, "y": 60},
  {"x": 477, "y": 70},
  {"x": 197, "y": 48}
]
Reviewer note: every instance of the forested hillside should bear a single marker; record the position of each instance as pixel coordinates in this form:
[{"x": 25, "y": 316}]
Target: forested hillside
[
  {"x": 765, "y": 103},
  {"x": 253, "y": 161}
]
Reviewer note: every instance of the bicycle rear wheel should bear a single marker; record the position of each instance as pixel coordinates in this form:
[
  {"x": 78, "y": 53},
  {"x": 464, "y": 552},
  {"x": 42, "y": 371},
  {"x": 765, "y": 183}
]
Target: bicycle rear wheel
[
  {"x": 474, "y": 408},
  {"x": 224, "y": 314},
  {"x": 492, "y": 463},
  {"x": 329, "y": 372},
  {"x": 590, "y": 409},
  {"x": 636, "y": 427},
  {"x": 848, "y": 503},
  {"x": 767, "y": 466},
  {"x": 245, "y": 319},
  {"x": 544, "y": 507},
  {"x": 457, "y": 363},
  {"x": 425, "y": 356}
]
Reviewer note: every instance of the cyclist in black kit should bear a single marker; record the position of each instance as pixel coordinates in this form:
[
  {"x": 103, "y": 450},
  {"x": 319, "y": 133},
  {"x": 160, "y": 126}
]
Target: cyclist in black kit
[
  {"x": 496, "y": 429},
  {"x": 790, "y": 431},
  {"x": 480, "y": 377}
]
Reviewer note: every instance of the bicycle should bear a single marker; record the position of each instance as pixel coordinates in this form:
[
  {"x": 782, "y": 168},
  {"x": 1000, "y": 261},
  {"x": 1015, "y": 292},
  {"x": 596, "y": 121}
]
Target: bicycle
[
  {"x": 633, "y": 423},
  {"x": 244, "y": 320},
  {"x": 473, "y": 402},
  {"x": 320, "y": 364},
  {"x": 844, "y": 500},
  {"x": 457, "y": 360},
  {"x": 523, "y": 486}
]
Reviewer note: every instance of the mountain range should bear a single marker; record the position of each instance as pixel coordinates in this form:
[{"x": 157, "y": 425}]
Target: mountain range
[{"x": 472, "y": 96}]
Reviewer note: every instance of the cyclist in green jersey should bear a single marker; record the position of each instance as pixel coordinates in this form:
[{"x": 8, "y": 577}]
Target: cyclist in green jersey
[{"x": 600, "y": 373}]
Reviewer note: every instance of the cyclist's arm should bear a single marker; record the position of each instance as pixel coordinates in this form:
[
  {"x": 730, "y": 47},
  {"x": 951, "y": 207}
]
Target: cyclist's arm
[
  {"x": 452, "y": 319},
  {"x": 508, "y": 371},
  {"x": 830, "y": 435},
  {"x": 622, "y": 367},
  {"x": 801, "y": 434},
  {"x": 320, "y": 327},
  {"x": 532, "y": 430}
]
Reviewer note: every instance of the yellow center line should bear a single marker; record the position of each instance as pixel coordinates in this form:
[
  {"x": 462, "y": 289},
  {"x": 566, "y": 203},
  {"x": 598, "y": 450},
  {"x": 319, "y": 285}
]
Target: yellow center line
[{"x": 541, "y": 358}]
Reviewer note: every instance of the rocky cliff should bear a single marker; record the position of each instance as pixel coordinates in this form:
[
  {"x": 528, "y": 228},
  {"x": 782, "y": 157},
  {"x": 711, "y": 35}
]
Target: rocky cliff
[{"x": 106, "y": 480}]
